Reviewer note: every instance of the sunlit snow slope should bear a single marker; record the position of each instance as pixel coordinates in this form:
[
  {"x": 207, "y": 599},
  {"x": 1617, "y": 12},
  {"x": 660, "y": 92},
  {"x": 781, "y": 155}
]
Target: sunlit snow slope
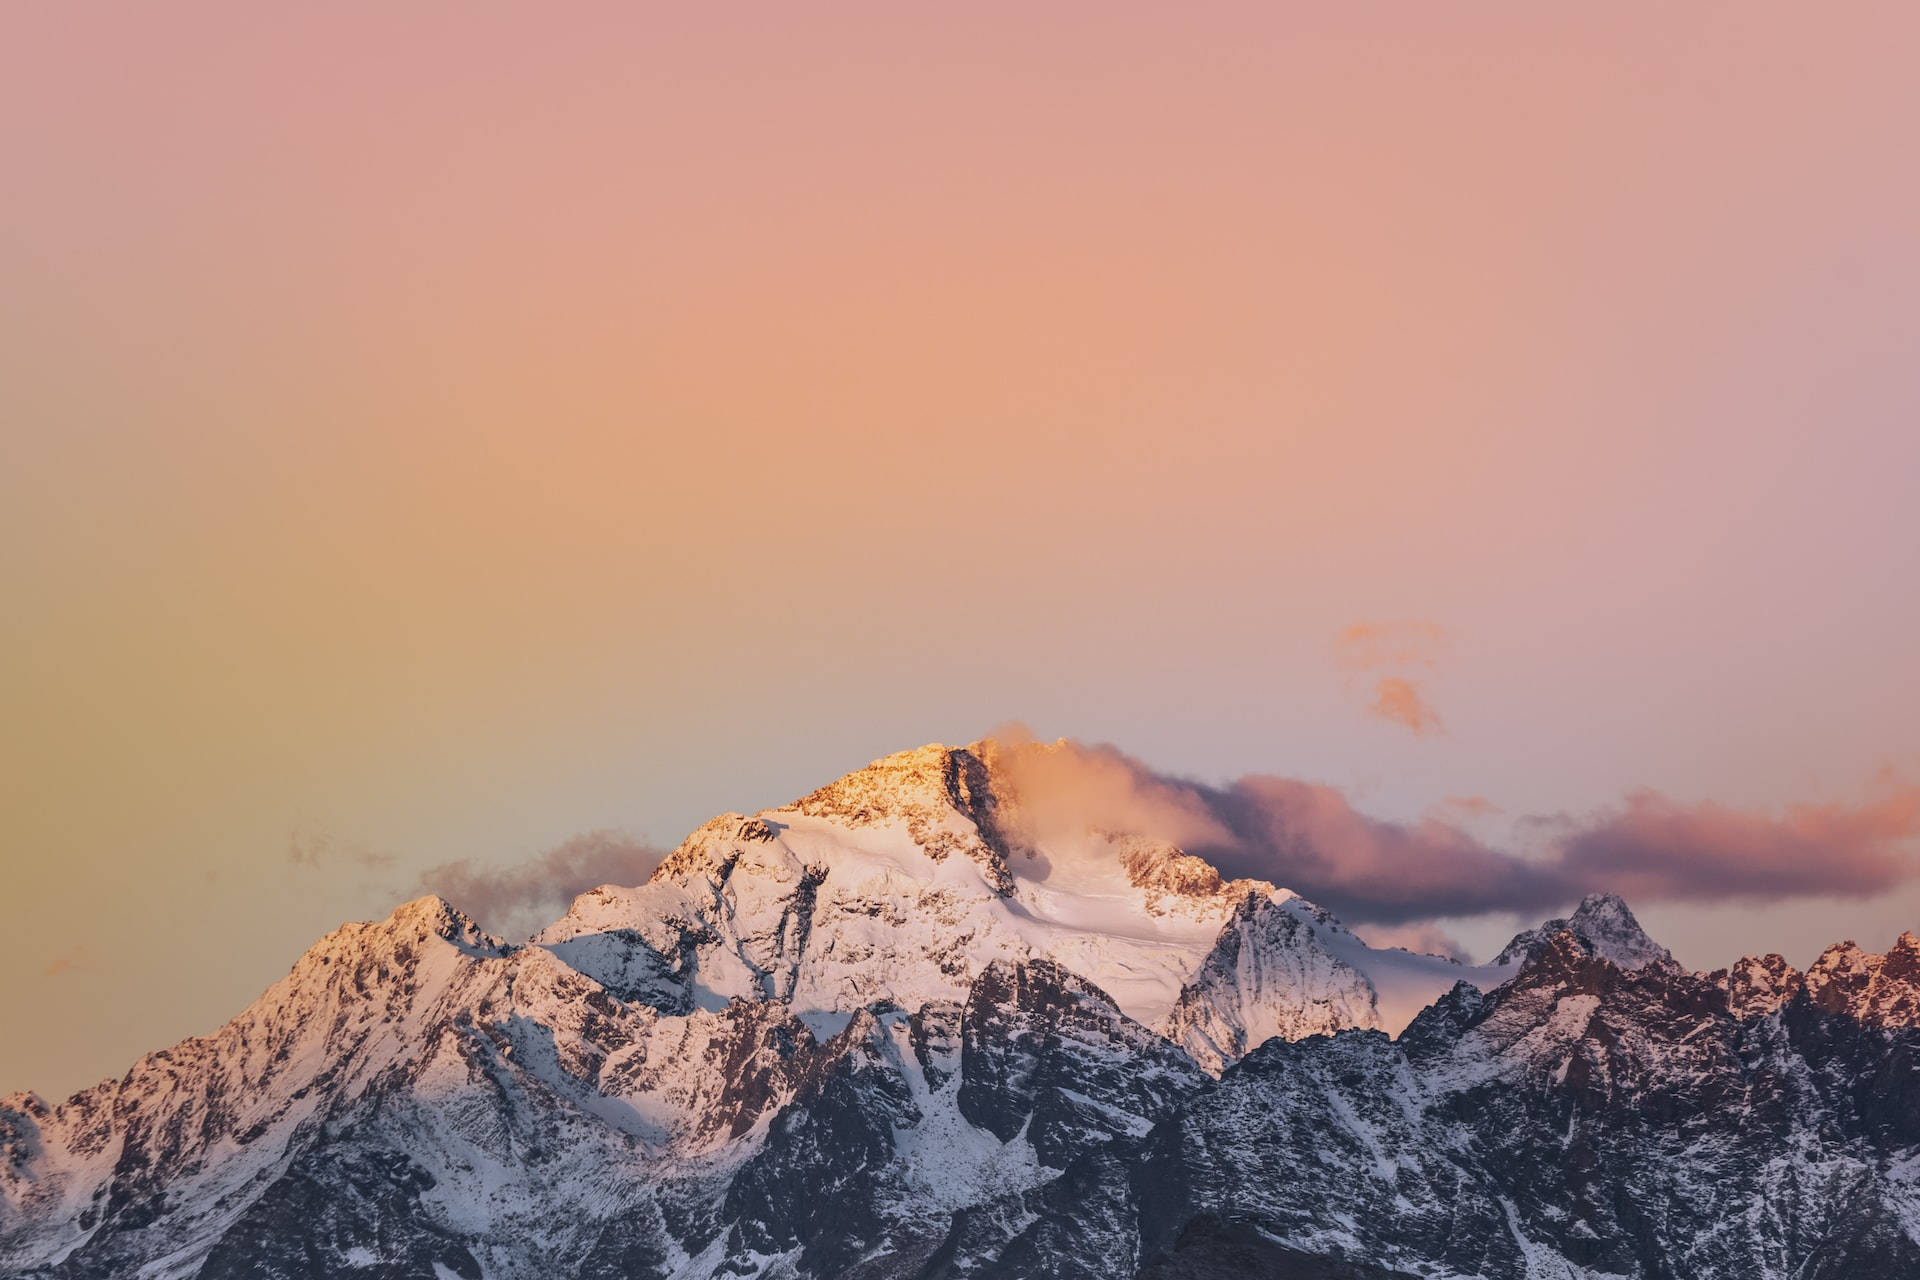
[
  {"x": 902, "y": 881},
  {"x": 888, "y": 1033}
]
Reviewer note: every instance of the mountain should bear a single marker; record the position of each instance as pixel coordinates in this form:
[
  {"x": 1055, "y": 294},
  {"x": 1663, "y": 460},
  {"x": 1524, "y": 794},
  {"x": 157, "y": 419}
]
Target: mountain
[
  {"x": 889, "y": 1031},
  {"x": 1602, "y": 925},
  {"x": 1582, "y": 1119},
  {"x": 903, "y": 881}
]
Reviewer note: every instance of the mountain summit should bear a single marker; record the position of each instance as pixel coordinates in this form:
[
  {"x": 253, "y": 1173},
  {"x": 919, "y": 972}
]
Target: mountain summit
[
  {"x": 904, "y": 880},
  {"x": 1603, "y": 925},
  {"x": 897, "y": 1029}
]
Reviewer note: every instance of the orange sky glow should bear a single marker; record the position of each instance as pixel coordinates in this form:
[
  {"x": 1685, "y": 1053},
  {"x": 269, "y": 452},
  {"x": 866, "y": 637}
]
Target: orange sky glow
[{"x": 430, "y": 435}]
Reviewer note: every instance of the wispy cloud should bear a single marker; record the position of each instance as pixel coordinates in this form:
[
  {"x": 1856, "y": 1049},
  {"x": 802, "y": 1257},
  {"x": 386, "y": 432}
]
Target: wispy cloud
[
  {"x": 1651, "y": 846},
  {"x": 1309, "y": 837},
  {"x": 1397, "y": 699},
  {"x": 1419, "y": 937},
  {"x": 1468, "y": 807},
  {"x": 315, "y": 846},
  {"x": 78, "y": 960},
  {"x": 1385, "y": 646},
  {"x": 515, "y": 901},
  {"x": 1390, "y": 653}
]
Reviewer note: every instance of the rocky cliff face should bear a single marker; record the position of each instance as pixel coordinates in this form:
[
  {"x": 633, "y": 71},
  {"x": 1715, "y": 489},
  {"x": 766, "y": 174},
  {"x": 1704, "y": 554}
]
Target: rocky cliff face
[
  {"x": 1582, "y": 1119},
  {"x": 885, "y": 1033}
]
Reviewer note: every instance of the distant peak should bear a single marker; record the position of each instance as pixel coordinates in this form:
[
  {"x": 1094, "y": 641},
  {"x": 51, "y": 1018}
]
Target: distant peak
[
  {"x": 1603, "y": 924},
  {"x": 1605, "y": 920},
  {"x": 1881, "y": 990}
]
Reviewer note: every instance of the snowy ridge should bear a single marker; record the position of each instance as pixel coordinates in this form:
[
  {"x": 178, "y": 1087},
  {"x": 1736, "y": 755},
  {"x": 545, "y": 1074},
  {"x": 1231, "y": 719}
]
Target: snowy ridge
[
  {"x": 886, "y": 1032},
  {"x": 1582, "y": 1120},
  {"x": 903, "y": 881},
  {"x": 1603, "y": 925},
  {"x": 484, "y": 1057}
]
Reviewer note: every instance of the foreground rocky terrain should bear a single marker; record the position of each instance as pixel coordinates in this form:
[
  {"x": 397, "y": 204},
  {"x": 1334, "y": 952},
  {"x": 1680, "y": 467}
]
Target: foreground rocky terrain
[{"x": 886, "y": 1032}]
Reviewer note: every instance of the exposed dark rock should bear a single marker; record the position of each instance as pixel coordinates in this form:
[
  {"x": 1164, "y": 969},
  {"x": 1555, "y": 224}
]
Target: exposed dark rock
[{"x": 1049, "y": 1054}]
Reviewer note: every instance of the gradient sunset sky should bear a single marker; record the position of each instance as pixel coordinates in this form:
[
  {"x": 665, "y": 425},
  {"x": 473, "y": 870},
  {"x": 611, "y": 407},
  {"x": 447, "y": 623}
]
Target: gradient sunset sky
[{"x": 426, "y": 436}]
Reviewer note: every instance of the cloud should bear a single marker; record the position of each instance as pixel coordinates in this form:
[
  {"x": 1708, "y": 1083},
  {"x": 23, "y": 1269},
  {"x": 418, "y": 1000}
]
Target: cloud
[
  {"x": 1398, "y": 700},
  {"x": 1808, "y": 849},
  {"x": 1063, "y": 788},
  {"x": 77, "y": 960},
  {"x": 1308, "y": 837},
  {"x": 516, "y": 901},
  {"x": 1419, "y": 938},
  {"x": 1468, "y": 807},
  {"x": 1387, "y": 646},
  {"x": 311, "y": 846},
  {"x": 1397, "y": 649}
]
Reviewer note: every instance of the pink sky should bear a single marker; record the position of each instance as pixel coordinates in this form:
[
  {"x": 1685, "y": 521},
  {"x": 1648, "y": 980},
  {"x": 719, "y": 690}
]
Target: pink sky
[{"x": 430, "y": 436}]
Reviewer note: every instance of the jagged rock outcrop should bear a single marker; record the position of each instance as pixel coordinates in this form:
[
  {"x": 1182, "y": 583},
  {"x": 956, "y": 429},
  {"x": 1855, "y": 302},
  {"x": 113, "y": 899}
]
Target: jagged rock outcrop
[
  {"x": 1757, "y": 985},
  {"x": 1582, "y": 1119},
  {"x": 1050, "y": 1055},
  {"x": 1873, "y": 990},
  {"x": 1877, "y": 990}
]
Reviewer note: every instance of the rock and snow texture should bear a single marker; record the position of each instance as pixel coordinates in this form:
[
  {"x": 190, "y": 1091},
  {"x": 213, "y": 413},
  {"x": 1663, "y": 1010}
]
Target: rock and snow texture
[
  {"x": 453, "y": 1088},
  {"x": 1875, "y": 990},
  {"x": 905, "y": 880},
  {"x": 1266, "y": 977},
  {"x": 1582, "y": 1120},
  {"x": 884, "y": 1032},
  {"x": 1603, "y": 925}
]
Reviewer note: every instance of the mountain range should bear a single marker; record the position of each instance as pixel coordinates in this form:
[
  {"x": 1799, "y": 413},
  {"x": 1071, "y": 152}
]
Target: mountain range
[{"x": 888, "y": 1032}]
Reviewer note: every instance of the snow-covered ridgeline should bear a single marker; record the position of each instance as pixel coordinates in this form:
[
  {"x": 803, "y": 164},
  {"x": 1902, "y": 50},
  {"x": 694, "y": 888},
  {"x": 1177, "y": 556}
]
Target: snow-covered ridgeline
[
  {"x": 903, "y": 881},
  {"x": 886, "y": 1027}
]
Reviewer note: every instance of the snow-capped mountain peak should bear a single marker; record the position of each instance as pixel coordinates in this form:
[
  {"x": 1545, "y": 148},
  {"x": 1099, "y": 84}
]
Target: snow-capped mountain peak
[
  {"x": 888, "y": 1032},
  {"x": 904, "y": 880},
  {"x": 1603, "y": 924},
  {"x": 943, "y": 796}
]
